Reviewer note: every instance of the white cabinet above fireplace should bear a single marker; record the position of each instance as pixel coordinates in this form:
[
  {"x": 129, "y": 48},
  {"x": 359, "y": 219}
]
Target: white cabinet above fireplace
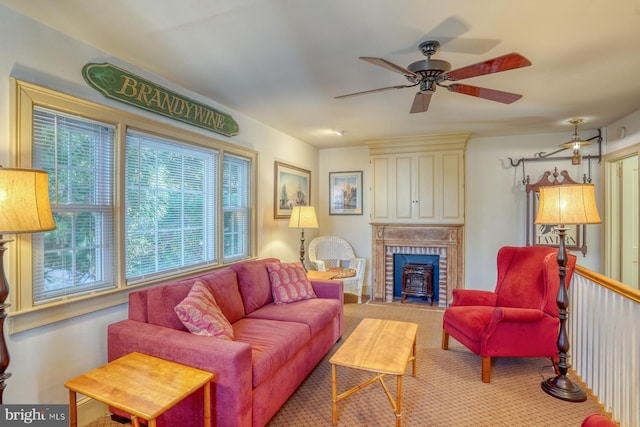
[{"x": 418, "y": 179}]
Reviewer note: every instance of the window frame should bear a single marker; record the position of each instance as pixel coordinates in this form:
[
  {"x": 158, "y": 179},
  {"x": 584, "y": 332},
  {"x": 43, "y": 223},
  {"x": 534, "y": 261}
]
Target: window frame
[{"x": 24, "y": 314}]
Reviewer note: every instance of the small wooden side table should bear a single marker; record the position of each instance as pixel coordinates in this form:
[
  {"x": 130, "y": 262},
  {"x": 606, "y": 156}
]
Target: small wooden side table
[
  {"x": 320, "y": 275},
  {"x": 141, "y": 385}
]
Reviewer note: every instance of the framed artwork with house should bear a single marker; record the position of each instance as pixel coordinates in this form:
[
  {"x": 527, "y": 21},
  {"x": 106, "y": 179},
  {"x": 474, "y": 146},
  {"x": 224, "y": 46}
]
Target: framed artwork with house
[
  {"x": 292, "y": 188},
  {"x": 547, "y": 235}
]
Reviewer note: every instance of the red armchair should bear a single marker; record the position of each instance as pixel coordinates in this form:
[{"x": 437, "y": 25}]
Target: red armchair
[{"x": 519, "y": 319}]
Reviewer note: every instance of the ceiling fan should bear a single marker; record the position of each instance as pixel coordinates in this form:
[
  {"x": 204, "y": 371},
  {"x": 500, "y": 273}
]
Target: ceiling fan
[{"x": 430, "y": 73}]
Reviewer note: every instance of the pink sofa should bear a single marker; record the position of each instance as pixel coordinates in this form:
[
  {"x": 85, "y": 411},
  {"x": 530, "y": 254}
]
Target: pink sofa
[{"x": 274, "y": 349}]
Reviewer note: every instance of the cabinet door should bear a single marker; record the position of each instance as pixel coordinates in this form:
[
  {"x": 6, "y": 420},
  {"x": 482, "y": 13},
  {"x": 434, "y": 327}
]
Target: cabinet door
[
  {"x": 404, "y": 192},
  {"x": 452, "y": 187},
  {"x": 380, "y": 196},
  {"x": 426, "y": 187}
]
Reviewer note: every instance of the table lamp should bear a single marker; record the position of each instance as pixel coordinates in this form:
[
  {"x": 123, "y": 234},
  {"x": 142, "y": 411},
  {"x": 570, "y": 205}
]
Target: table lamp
[
  {"x": 303, "y": 217},
  {"x": 561, "y": 205},
  {"x": 24, "y": 208}
]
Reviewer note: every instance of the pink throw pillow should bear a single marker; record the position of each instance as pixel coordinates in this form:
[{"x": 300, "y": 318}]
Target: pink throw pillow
[
  {"x": 200, "y": 313},
  {"x": 289, "y": 282}
]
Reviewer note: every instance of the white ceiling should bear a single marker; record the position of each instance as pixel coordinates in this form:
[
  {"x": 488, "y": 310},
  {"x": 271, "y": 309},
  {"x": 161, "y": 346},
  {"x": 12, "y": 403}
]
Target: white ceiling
[{"x": 282, "y": 62}]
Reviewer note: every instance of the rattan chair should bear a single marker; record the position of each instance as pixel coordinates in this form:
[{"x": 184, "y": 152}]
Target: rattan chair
[{"x": 330, "y": 251}]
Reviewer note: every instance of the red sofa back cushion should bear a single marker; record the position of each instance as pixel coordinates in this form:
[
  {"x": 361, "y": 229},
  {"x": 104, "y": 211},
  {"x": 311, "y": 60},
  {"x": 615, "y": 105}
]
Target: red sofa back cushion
[
  {"x": 161, "y": 300},
  {"x": 254, "y": 283}
]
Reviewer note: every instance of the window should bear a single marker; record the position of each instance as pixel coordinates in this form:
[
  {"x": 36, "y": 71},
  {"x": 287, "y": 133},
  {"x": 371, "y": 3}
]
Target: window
[
  {"x": 236, "y": 201},
  {"x": 170, "y": 205},
  {"x": 76, "y": 257},
  {"x": 135, "y": 201}
]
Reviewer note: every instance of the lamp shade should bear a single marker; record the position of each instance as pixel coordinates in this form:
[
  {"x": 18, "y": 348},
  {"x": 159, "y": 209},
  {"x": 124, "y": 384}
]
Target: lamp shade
[
  {"x": 24, "y": 201},
  {"x": 303, "y": 217},
  {"x": 568, "y": 204}
]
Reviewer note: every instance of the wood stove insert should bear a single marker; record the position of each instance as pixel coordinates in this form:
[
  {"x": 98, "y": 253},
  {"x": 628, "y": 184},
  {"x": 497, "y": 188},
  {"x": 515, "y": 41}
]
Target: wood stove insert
[{"x": 417, "y": 281}]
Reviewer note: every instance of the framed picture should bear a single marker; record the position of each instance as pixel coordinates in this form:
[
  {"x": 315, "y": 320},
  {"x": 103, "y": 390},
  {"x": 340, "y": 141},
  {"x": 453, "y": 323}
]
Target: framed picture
[
  {"x": 345, "y": 193},
  {"x": 292, "y": 188}
]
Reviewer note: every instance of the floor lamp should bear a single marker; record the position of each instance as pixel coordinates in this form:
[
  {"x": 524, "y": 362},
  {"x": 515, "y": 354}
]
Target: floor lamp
[
  {"x": 561, "y": 205},
  {"x": 24, "y": 208},
  {"x": 303, "y": 217}
]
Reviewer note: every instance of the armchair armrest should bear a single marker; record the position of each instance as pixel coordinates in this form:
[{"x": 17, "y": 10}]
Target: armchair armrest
[
  {"x": 473, "y": 297},
  {"x": 358, "y": 264},
  {"x": 319, "y": 265},
  {"x": 520, "y": 315}
]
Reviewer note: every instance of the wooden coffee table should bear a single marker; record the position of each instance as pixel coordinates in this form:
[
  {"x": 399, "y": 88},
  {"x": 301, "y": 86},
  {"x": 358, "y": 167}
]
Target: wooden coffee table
[
  {"x": 141, "y": 385},
  {"x": 384, "y": 347}
]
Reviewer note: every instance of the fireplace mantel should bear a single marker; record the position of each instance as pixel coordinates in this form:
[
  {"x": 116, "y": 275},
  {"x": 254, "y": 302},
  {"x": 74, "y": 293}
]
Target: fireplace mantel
[{"x": 445, "y": 240}]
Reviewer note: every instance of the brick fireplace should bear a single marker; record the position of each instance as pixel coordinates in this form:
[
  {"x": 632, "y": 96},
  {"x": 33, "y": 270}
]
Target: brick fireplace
[{"x": 446, "y": 241}]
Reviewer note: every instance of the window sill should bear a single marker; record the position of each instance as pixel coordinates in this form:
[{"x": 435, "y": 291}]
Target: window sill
[{"x": 62, "y": 310}]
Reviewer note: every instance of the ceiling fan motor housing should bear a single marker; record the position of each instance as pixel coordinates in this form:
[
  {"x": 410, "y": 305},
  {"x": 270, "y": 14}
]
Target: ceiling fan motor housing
[{"x": 429, "y": 68}]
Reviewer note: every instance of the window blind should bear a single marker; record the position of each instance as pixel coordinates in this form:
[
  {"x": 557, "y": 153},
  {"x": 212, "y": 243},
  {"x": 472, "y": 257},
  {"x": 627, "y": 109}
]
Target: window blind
[
  {"x": 171, "y": 193},
  {"x": 236, "y": 201},
  {"x": 78, "y": 256}
]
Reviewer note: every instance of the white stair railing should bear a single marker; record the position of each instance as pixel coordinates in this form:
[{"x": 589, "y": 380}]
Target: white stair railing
[{"x": 604, "y": 325}]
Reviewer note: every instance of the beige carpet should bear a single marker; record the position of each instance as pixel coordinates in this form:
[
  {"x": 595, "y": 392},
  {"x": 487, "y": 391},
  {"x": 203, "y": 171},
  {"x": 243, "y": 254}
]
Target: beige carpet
[{"x": 446, "y": 392}]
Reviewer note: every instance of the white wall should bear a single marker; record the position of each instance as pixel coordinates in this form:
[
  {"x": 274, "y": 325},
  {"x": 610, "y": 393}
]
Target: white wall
[
  {"x": 631, "y": 132},
  {"x": 495, "y": 198},
  {"x": 496, "y": 202},
  {"x": 43, "y": 359},
  {"x": 353, "y": 228}
]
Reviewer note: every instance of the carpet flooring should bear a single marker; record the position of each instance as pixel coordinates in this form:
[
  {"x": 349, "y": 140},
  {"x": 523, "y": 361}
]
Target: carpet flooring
[{"x": 447, "y": 390}]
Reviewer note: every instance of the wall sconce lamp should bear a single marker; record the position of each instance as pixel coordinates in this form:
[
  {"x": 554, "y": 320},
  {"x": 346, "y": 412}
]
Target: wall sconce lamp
[
  {"x": 561, "y": 205},
  {"x": 24, "y": 208},
  {"x": 303, "y": 217},
  {"x": 575, "y": 143}
]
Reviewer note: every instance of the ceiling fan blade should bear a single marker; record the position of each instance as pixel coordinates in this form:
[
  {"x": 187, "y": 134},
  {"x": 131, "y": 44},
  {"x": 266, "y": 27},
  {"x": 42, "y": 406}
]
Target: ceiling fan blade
[
  {"x": 382, "y": 89},
  {"x": 421, "y": 102},
  {"x": 502, "y": 63},
  {"x": 483, "y": 92},
  {"x": 389, "y": 66}
]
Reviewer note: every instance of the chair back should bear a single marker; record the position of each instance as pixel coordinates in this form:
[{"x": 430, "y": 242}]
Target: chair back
[
  {"x": 330, "y": 248},
  {"x": 528, "y": 277}
]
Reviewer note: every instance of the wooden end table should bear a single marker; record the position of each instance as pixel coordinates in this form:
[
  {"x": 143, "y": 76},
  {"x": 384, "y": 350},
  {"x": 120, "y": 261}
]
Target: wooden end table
[
  {"x": 320, "y": 275},
  {"x": 142, "y": 385},
  {"x": 384, "y": 347}
]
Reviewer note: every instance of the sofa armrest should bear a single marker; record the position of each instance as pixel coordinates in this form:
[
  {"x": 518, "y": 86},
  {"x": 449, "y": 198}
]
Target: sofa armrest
[
  {"x": 473, "y": 297},
  {"x": 229, "y": 360},
  {"x": 328, "y": 289}
]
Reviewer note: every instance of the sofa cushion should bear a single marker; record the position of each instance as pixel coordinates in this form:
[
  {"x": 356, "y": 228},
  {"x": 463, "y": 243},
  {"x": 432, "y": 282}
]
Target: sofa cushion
[
  {"x": 315, "y": 313},
  {"x": 289, "y": 282},
  {"x": 272, "y": 342},
  {"x": 162, "y": 299},
  {"x": 254, "y": 284},
  {"x": 200, "y": 313},
  {"x": 224, "y": 286}
]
